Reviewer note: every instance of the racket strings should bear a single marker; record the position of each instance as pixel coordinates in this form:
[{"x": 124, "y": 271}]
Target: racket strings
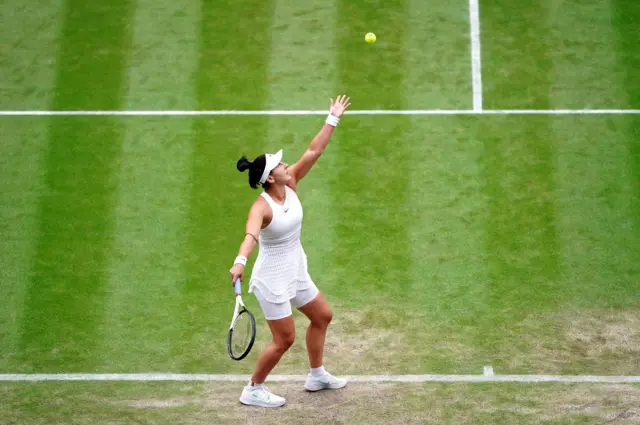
[{"x": 242, "y": 330}]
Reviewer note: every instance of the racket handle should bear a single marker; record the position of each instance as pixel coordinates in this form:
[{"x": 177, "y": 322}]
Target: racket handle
[{"x": 237, "y": 286}]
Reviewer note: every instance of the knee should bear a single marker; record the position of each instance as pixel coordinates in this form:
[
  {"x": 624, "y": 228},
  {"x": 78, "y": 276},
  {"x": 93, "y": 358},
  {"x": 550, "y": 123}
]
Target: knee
[
  {"x": 328, "y": 316},
  {"x": 285, "y": 341},
  {"x": 324, "y": 318}
]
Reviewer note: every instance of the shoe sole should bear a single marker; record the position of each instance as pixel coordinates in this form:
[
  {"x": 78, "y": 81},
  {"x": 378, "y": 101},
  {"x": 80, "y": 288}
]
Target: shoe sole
[
  {"x": 260, "y": 404},
  {"x": 322, "y": 387}
]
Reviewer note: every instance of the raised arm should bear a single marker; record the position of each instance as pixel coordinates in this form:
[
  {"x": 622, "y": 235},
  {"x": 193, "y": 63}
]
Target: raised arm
[{"x": 320, "y": 141}]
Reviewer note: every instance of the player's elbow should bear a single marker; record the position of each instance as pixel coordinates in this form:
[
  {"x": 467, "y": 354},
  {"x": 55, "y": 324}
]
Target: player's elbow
[{"x": 313, "y": 154}]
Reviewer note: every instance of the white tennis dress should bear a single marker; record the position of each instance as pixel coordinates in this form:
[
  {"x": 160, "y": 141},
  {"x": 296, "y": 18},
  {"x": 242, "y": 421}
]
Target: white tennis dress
[{"x": 281, "y": 267}]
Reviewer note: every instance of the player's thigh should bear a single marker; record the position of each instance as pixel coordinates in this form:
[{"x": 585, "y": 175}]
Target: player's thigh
[
  {"x": 279, "y": 317},
  {"x": 313, "y": 304}
]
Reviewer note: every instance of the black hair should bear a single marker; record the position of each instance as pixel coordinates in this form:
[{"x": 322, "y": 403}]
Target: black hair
[{"x": 256, "y": 168}]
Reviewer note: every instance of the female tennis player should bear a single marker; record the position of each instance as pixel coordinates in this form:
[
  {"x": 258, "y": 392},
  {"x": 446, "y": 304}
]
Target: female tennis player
[{"x": 280, "y": 278}]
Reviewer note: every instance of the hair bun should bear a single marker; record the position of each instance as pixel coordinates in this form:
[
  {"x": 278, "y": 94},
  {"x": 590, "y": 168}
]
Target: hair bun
[{"x": 243, "y": 164}]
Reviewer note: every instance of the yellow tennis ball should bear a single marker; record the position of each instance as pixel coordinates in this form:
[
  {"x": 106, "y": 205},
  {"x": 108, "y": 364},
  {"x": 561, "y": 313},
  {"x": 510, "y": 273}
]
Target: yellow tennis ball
[{"x": 370, "y": 38}]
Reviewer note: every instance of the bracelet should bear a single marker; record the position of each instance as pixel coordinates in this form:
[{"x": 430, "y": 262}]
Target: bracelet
[
  {"x": 240, "y": 259},
  {"x": 332, "y": 120}
]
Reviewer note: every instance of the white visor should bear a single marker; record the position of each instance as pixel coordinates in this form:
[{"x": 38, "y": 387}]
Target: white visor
[{"x": 272, "y": 162}]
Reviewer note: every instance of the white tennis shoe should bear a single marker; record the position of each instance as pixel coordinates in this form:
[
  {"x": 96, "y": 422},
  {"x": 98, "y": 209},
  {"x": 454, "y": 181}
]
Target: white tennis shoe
[
  {"x": 260, "y": 396},
  {"x": 324, "y": 382}
]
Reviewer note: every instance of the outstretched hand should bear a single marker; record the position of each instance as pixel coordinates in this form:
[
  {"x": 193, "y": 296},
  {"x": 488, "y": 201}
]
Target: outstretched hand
[{"x": 341, "y": 104}]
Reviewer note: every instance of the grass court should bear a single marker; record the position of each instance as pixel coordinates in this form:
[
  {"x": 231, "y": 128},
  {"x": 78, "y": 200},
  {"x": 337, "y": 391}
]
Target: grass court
[{"x": 444, "y": 242}]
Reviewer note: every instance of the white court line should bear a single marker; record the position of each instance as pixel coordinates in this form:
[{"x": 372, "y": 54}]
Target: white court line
[
  {"x": 298, "y": 378},
  {"x": 324, "y": 112},
  {"x": 476, "y": 68}
]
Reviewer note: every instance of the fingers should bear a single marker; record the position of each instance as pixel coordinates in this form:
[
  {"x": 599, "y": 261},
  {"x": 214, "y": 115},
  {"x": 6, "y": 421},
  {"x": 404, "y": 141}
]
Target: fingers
[
  {"x": 235, "y": 274},
  {"x": 342, "y": 102},
  {"x": 343, "y": 99}
]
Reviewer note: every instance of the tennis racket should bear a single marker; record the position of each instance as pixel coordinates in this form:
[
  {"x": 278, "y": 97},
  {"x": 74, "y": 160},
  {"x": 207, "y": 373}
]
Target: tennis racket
[{"x": 242, "y": 332}]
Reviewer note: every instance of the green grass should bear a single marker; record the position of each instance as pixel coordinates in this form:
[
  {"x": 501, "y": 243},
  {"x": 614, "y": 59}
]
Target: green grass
[
  {"x": 443, "y": 243},
  {"x": 76, "y": 209},
  {"x": 518, "y": 230},
  {"x": 559, "y": 55}
]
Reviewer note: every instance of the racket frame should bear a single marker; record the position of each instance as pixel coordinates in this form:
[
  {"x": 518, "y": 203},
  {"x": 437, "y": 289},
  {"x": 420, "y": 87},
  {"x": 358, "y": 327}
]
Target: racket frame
[{"x": 237, "y": 312}]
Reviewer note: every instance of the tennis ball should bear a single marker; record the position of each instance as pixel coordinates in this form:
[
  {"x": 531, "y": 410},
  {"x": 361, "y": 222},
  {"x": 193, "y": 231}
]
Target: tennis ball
[{"x": 370, "y": 38}]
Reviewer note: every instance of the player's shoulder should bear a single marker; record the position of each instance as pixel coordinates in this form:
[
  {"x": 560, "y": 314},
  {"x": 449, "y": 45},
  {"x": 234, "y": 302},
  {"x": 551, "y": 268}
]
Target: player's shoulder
[
  {"x": 259, "y": 207},
  {"x": 260, "y": 201}
]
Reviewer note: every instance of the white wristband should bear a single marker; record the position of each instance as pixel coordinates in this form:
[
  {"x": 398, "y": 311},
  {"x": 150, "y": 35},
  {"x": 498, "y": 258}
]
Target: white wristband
[
  {"x": 332, "y": 120},
  {"x": 240, "y": 259}
]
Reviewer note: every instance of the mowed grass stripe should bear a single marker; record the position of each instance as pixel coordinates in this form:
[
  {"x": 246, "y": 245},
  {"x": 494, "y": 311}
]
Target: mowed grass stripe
[
  {"x": 437, "y": 56},
  {"x": 64, "y": 303},
  {"x": 520, "y": 232},
  {"x": 448, "y": 262},
  {"x": 26, "y": 78},
  {"x": 164, "y": 56},
  {"x": 625, "y": 19},
  {"x": 21, "y": 159},
  {"x": 234, "y": 51},
  {"x": 600, "y": 180},
  {"x": 372, "y": 74},
  {"x": 596, "y": 192},
  {"x": 518, "y": 180},
  {"x": 369, "y": 181},
  {"x": 517, "y": 58},
  {"x": 446, "y": 208},
  {"x": 518, "y": 168},
  {"x": 302, "y": 73},
  {"x": 93, "y": 47},
  {"x": 143, "y": 311},
  {"x": 595, "y": 327},
  {"x": 585, "y": 71},
  {"x": 28, "y": 39}
]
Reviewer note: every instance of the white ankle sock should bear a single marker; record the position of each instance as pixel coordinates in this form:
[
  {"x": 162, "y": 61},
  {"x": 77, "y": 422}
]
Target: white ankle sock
[{"x": 318, "y": 371}]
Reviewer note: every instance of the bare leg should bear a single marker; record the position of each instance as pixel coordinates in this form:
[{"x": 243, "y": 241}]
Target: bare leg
[
  {"x": 283, "y": 334},
  {"x": 320, "y": 315}
]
